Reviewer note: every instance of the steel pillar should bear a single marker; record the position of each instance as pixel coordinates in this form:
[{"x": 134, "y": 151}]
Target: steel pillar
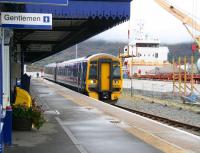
[
  {"x": 20, "y": 50},
  {"x": 7, "y": 128},
  {"x": 1, "y": 91}
]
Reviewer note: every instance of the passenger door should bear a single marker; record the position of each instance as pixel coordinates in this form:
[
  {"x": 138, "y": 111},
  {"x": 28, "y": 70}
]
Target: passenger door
[{"x": 105, "y": 76}]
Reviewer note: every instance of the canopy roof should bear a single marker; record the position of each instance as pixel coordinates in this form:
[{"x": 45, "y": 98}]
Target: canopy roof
[{"x": 72, "y": 24}]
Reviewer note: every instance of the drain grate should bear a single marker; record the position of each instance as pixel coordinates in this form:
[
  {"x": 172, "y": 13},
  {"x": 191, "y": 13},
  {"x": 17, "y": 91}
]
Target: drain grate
[
  {"x": 115, "y": 121},
  {"x": 43, "y": 93}
]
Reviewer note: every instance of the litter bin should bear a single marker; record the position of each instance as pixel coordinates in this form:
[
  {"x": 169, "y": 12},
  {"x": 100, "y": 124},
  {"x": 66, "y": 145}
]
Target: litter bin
[
  {"x": 25, "y": 82},
  {"x": 7, "y": 128}
]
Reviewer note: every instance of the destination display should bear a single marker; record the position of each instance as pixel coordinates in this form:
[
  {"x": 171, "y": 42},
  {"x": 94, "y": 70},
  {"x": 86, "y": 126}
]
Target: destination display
[
  {"x": 26, "y": 20},
  {"x": 45, "y": 2}
]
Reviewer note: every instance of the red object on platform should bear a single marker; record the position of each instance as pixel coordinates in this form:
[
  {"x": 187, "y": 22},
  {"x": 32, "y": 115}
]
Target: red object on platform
[
  {"x": 194, "y": 47},
  {"x": 8, "y": 107}
]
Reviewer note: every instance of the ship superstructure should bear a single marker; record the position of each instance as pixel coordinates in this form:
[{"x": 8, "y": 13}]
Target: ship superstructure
[{"x": 144, "y": 55}]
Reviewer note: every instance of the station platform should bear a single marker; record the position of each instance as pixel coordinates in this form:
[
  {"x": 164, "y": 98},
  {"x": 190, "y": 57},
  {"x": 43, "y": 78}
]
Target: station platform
[{"x": 79, "y": 124}]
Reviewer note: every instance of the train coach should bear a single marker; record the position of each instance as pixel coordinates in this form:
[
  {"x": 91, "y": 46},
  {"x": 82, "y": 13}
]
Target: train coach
[{"x": 98, "y": 76}]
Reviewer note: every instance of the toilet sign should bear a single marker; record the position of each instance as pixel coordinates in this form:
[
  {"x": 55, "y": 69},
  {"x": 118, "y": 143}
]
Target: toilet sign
[
  {"x": 37, "y": 2},
  {"x": 26, "y": 20}
]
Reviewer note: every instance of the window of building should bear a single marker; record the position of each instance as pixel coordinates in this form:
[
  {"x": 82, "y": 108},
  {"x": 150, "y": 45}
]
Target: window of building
[{"x": 156, "y": 55}]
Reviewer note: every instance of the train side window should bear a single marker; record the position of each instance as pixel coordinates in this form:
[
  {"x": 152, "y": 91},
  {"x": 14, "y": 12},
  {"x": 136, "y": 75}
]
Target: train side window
[
  {"x": 71, "y": 71},
  {"x": 93, "y": 72},
  {"x": 83, "y": 76},
  {"x": 74, "y": 72},
  {"x": 93, "y": 62},
  {"x": 68, "y": 71},
  {"x": 62, "y": 71},
  {"x": 116, "y": 70}
]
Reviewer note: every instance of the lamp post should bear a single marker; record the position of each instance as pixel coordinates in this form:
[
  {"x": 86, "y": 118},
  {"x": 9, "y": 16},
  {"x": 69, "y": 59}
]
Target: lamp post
[{"x": 1, "y": 89}]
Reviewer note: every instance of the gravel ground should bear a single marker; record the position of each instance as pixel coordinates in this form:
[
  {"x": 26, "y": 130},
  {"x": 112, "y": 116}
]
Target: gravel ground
[{"x": 177, "y": 114}]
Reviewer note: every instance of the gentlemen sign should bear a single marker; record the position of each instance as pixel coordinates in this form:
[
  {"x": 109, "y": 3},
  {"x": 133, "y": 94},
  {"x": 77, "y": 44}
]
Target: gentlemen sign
[
  {"x": 26, "y": 20},
  {"x": 38, "y": 2}
]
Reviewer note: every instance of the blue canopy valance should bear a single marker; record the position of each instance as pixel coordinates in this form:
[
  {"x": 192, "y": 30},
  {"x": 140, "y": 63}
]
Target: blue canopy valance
[{"x": 85, "y": 9}]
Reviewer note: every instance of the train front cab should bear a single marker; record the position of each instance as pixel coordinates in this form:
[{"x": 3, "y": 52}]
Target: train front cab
[{"x": 104, "y": 79}]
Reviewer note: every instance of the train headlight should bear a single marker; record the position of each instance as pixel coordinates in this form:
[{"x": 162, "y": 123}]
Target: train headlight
[
  {"x": 116, "y": 81},
  {"x": 92, "y": 85},
  {"x": 93, "y": 81}
]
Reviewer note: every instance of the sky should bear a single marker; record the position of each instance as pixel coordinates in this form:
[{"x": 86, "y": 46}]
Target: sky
[{"x": 157, "y": 22}]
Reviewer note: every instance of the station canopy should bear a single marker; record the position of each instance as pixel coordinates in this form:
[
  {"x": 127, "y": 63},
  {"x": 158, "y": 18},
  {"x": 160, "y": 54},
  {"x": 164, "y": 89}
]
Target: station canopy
[{"x": 72, "y": 24}]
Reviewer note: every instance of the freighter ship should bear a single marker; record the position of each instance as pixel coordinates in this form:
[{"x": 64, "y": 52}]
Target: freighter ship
[{"x": 145, "y": 56}]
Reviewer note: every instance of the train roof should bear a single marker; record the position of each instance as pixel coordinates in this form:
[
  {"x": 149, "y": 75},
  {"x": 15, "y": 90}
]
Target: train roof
[
  {"x": 100, "y": 54},
  {"x": 74, "y": 60},
  {"x": 82, "y": 59}
]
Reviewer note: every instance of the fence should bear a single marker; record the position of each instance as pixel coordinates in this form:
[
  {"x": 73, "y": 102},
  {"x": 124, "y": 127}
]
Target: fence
[{"x": 153, "y": 90}]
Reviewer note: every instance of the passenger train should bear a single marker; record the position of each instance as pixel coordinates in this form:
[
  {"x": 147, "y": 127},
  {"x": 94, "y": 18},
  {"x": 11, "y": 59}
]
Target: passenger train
[{"x": 98, "y": 76}]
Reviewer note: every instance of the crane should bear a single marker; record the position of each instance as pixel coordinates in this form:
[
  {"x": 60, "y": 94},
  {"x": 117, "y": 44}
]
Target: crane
[{"x": 184, "y": 18}]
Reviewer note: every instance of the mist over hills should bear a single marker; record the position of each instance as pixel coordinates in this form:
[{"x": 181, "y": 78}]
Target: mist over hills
[
  {"x": 84, "y": 49},
  {"x": 93, "y": 47}
]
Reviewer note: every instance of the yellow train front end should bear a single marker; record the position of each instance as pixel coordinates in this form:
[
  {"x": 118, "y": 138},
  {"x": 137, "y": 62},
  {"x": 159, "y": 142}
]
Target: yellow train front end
[{"x": 104, "y": 77}]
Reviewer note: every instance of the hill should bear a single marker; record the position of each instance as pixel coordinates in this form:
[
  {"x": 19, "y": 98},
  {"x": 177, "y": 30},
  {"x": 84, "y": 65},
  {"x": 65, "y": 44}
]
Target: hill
[
  {"x": 84, "y": 49},
  {"x": 181, "y": 50},
  {"x": 92, "y": 47}
]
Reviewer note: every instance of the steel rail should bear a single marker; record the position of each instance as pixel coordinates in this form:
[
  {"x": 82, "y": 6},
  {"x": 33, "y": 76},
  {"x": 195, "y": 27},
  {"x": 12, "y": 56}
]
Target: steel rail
[{"x": 162, "y": 119}]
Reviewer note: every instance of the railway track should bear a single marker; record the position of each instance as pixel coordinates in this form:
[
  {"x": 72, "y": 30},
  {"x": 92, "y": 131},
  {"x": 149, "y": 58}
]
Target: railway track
[{"x": 192, "y": 128}]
